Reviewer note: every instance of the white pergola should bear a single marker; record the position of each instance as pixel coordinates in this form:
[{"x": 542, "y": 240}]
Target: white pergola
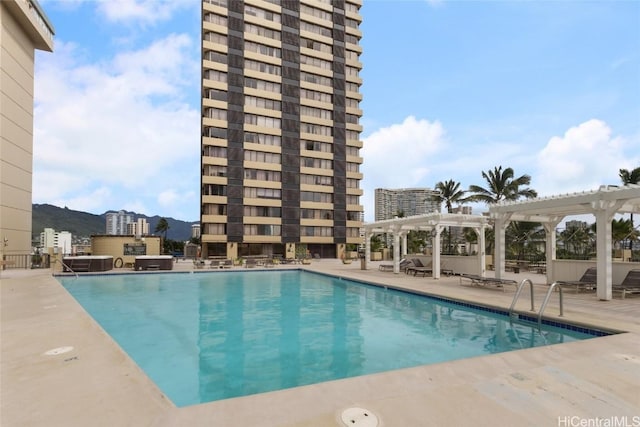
[
  {"x": 434, "y": 223},
  {"x": 603, "y": 203}
]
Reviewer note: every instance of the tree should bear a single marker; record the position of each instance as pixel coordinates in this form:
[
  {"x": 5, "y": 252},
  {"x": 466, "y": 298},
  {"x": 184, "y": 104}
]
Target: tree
[
  {"x": 522, "y": 236},
  {"x": 578, "y": 241},
  {"x": 621, "y": 230},
  {"x": 630, "y": 177},
  {"x": 449, "y": 193},
  {"x": 162, "y": 227},
  {"x": 501, "y": 186}
]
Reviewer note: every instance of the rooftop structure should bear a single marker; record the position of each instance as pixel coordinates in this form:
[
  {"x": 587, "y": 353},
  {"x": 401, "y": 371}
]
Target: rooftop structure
[{"x": 25, "y": 28}]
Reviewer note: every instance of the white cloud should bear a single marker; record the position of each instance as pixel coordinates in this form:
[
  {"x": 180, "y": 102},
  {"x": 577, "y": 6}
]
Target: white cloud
[
  {"x": 399, "y": 156},
  {"x": 584, "y": 158},
  {"x": 122, "y": 124},
  {"x": 147, "y": 11}
]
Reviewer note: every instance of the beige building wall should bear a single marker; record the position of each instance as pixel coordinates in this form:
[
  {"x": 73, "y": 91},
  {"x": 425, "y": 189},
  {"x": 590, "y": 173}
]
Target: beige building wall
[
  {"x": 24, "y": 29},
  {"x": 114, "y": 245}
]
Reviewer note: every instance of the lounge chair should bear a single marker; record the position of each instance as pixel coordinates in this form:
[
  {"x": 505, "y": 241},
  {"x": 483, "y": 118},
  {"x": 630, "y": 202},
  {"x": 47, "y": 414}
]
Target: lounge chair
[
  {"x": 250, "y": 263},
  {"x": 588, "y": 281},
  {"x": 630, "y": 284},
  {"x": 228, "y": 263},
  {"x": 419, "y": 268},
  {"x": 475, "y": 280},
  {"x": 404, "y": 263}
]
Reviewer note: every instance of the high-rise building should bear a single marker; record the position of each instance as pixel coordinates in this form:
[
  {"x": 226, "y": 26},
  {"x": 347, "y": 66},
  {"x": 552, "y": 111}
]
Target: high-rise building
[
  {"x": 139, "y": 227},
  {"x": 390, "y": 203},
  {"x": 25, "y": 28},
  {"x": 280, "y": 127},
  {"x": 117, "y": 223},
  {"x": 56, "y": 240}
]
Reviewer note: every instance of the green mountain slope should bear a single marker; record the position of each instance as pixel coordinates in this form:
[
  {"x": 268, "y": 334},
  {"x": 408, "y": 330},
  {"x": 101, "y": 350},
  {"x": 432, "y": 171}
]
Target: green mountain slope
[{"x": 83, "y": 224}]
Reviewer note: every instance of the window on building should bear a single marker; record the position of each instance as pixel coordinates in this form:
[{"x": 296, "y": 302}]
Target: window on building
[
  {"x": 134, "y": 249},
  {"x": 261, "y": 13},
  {"x": 262, "y": 230},
  {"x": 261, "y": 138},
  {"x": 262, "y": 175},
  {"x": 214, "y": 209},
  {"x": 214, "y": 190},
  {"x": 262, "y": 85}
]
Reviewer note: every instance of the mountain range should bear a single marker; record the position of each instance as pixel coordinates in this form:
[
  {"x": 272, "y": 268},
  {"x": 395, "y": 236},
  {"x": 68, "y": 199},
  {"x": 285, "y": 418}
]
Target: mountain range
[{"x": 84, "y": 224}]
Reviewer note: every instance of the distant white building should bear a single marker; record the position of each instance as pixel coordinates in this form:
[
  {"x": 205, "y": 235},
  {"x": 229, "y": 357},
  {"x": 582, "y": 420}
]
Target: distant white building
[
  {"x": 117, "y": 223},
  {"x": 408, "y": 201},
  {"x": 138, "y": 228},
  {"x": 52, "y": 239},
  {"x": 195, "y": 231}
]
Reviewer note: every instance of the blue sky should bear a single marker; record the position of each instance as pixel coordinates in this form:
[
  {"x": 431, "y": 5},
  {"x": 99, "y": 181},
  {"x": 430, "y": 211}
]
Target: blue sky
[{"x": 451, "y": 89}]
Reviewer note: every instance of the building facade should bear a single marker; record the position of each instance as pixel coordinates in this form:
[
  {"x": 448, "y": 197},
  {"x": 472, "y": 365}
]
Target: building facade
[
  {"x": 117, "y": 223},
  {"x": 280, "y": 127},
  {"x": 389, "y": 203},
  {"x": 139, "y": 227},
  {"x": 25, "y": 28},
  {"x": 51, "y": 239}
]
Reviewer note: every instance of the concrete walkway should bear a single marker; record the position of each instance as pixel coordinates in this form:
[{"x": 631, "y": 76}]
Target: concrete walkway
[{"x": 97, "y": 384}]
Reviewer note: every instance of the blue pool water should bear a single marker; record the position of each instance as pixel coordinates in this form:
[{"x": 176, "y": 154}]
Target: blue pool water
[{"x": 211, "y": 336}]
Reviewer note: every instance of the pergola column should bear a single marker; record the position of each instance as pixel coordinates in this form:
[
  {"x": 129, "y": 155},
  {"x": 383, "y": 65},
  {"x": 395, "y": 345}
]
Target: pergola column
[
  {"x": 404, "y": 244},
  {"x": 396, "y": 251},
  {"x": 482, "y": 251},
  {"x": 435, "y": 255},
  {"x": 499, "y": 227},
  {"x": 367, "y": 249},
  {"x": 550, "y": 247},
  {"x": 604, "y": 213}
]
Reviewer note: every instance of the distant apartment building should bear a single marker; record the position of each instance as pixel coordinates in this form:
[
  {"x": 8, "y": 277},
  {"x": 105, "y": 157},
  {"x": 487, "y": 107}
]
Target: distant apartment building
[
  {"x": 195, "y": 231},
  {"x": 56, "y": 240},
  {"x": 464, "y": 210},
  {"x": 25, "y": 28},
  {"x": 117, "y": 223},
  {"x": 139, "y": 227},
  {"x": 390, "y": 203},
  {"x": 280, "y": 127}
]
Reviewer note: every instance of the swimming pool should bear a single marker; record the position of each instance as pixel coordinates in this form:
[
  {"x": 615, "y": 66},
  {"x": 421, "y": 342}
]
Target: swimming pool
[{"x": 210, "y": 336}]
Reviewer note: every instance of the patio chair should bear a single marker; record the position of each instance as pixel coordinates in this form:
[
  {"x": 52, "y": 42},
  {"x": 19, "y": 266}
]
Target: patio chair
[
  {"x": 419, "y": 268},
  {"x": 588, "y": 281},
  {"x": 630, "y": 284},
  {"x": 404, "y": 263}
]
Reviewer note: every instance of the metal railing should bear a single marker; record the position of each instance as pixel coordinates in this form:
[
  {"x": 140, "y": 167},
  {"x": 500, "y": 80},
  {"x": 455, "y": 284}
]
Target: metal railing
[
  {"x": 517, "y": 295},
  {"x": 546, "y": 300},
  {"x": 25, "y": 261}
]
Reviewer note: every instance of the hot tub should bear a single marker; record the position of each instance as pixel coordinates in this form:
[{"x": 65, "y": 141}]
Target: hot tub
[
  {"x": 87, "y": 263},
  {"x": 153, "y": 262}
]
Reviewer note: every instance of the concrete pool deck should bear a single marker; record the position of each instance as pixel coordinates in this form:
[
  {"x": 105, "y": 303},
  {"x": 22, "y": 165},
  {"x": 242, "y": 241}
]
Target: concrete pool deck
[{"x": 97, "y": 384}]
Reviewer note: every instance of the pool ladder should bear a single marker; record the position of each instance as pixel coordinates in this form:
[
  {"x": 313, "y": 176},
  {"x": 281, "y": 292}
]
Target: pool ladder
[{"x": 544, "y": 302}]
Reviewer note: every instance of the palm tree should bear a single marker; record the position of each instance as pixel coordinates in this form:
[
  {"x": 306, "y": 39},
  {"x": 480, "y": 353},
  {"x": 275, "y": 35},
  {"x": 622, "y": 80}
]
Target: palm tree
[
  {"x": 449, "y": 193},
  {"x": 162, "y": 227},
  {"x": 621, "y": 230},
  {"x": 501, "y": 186},
  {"x": 630, "y": 177},
  {"x": 577, "y": 241},
  {"x": 523, "y": 236}
]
